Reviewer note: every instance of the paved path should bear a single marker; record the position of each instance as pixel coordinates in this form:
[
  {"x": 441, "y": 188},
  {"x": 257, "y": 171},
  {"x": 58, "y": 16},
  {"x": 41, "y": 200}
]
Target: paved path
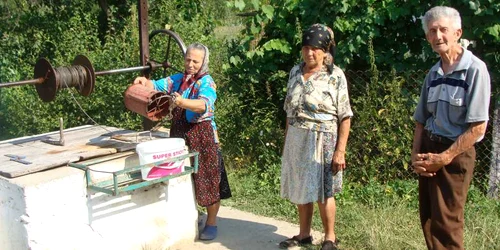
[{"x": 238, "y": 230}]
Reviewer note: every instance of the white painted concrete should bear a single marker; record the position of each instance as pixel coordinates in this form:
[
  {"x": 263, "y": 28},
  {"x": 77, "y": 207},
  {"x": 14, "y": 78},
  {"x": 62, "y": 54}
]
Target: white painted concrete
[{"x": 54, "y": 210}]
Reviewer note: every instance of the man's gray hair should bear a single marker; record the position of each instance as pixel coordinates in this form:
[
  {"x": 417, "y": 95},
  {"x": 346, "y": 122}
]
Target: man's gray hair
[{"x": 439, "y": 12}]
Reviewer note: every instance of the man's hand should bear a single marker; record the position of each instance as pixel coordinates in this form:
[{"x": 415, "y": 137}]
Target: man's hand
[
  {"x": 428, "y": 164},
  {"x": 416, "y": 160}
]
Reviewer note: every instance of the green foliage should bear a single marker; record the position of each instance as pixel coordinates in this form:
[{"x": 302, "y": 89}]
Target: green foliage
[
  {"x": 394, "y": 27},
  {"x": 54, "y": 32},
  {"x": 60, "y": 30},
  {"x": 382, "y": 127},
  {"x": 374, "y": 195}
]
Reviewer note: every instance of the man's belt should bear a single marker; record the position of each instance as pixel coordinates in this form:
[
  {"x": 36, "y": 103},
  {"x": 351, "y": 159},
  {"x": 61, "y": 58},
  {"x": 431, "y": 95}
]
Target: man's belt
[{"x": 438, "y": 138}]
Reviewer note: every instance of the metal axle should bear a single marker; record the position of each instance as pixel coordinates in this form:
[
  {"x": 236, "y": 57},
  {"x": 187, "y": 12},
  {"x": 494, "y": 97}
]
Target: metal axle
[
  {"x": 25, "y": 82},
  {"x": 49, "y": 80}
]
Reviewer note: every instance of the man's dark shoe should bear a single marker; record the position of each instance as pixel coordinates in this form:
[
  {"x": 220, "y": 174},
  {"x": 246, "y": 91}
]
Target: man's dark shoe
[
  {"x": 329, "y": 245},
  {"x": 295, "y": 241}
]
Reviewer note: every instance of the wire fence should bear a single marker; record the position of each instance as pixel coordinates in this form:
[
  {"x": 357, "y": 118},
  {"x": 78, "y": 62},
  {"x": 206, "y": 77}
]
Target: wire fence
[{"x": 382, "y": 129}]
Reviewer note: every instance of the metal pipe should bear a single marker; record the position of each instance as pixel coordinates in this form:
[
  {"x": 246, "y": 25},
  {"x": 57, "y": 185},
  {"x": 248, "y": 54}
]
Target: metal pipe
[
  {"x": 150, "y": 66},
  {"x": 25, "y": 82},
  {"x": 125, "y": 70}
]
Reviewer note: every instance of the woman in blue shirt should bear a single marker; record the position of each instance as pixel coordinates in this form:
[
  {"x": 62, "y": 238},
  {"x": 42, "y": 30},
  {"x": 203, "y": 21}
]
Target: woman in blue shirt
[{"x": 194, "y": 94}]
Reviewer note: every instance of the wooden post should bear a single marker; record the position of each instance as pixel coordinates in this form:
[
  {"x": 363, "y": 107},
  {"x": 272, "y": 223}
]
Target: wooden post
[{"x": 494, "y": 183}]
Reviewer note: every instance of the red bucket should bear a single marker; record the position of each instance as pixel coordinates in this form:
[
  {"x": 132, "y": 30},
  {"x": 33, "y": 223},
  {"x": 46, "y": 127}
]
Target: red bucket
[{"x": 147, "y": 102}]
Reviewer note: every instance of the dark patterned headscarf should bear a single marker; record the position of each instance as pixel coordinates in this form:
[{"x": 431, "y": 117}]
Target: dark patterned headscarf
[{"x": 321, "y": 36}]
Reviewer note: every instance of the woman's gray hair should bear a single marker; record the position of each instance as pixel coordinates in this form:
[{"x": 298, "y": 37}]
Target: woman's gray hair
[
  {"x": 439, "y": 12},
  {"x": 199, "y": 46}
]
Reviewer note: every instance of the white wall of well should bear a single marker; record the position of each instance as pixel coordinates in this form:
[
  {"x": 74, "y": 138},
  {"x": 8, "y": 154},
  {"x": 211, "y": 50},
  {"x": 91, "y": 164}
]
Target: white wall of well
[{"x": 54, "y": 210}]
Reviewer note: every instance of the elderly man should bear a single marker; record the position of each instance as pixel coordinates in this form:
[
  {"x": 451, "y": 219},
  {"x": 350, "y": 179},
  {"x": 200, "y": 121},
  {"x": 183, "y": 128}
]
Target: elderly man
[{"x": 451, "y": 116}]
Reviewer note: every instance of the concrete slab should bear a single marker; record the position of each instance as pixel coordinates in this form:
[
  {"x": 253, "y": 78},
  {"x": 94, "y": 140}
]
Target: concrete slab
[{"x": 239, "y": 230}]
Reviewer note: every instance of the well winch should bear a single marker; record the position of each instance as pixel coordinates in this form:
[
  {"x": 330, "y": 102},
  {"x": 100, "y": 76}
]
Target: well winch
[{"x": 81, "y": 75}]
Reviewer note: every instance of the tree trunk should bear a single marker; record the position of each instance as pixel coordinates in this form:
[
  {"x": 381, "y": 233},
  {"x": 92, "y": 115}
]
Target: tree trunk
[{"x": 494, "y": 183}]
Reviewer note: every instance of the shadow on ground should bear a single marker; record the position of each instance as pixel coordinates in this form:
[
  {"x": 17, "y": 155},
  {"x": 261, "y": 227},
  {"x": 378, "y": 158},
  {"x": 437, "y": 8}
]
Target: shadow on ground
[{"x": 244, "y": 231}]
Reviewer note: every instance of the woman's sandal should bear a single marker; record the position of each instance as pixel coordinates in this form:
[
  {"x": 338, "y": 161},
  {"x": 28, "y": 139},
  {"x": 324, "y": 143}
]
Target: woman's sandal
[
  {"x": 295, "y": 241},
  {"x": 330, "y": 245},
  {"x": 208, "y": 233}
]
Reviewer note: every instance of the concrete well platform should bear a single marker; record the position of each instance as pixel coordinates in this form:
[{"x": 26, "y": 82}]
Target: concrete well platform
[{"x": 53, "y": 209}]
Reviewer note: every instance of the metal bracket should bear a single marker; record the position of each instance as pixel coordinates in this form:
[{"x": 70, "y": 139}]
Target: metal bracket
[
  {"x": 61, "y": 135},
  {"x": 130, "y": 178},
  {"x": 18, "y": 158}
]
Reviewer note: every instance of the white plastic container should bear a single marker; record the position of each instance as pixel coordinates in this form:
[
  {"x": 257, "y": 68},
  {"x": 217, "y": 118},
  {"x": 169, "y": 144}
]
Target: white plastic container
[{"x": 160, "y": 150}]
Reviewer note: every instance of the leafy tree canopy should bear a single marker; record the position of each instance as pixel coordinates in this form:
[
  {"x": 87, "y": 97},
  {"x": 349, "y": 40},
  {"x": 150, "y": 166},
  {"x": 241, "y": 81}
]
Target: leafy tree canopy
[{"x": 394, "y": 26}]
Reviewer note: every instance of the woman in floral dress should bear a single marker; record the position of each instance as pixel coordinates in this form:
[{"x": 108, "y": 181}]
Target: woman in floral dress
[
  {"x": 317, "y": 128},
  {"x": 193, "y": 120}
]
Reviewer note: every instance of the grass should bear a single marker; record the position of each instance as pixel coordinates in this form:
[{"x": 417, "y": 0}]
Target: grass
[
  {"x": 369, "y": 216},
  {"x": 224, "y": 33}
]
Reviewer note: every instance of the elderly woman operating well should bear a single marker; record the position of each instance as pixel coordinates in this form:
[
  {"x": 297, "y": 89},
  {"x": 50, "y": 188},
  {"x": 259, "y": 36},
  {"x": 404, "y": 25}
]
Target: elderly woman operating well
[
  {"x": 317, "y": 128},
  {"x": 193, "y": 120}
]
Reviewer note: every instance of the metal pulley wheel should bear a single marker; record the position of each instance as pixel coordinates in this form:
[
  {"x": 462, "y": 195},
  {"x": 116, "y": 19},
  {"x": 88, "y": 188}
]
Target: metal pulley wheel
[
  {"x": 152, "y": 104},
  {"x": 168, "y": 45}
]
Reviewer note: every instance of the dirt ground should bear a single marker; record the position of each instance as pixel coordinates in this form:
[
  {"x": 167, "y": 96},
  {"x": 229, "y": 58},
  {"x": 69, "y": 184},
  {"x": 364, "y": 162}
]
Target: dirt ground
[{"x": 240, "y": 230}]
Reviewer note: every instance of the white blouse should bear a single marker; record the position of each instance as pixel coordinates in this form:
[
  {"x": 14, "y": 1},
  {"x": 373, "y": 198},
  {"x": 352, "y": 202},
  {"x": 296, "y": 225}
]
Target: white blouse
[{"x": 318, "y": 103}]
